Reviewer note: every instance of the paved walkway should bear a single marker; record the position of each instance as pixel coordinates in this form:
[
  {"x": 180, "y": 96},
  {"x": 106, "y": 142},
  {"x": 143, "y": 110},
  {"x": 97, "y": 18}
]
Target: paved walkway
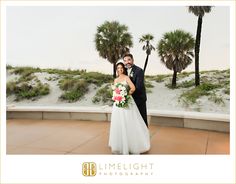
[{"x": 86, "y": 137}]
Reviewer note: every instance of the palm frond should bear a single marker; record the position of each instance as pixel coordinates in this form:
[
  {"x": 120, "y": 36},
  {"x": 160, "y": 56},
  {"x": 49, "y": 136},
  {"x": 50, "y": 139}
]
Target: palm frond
[
  {"x": 112, "y": 40},
  {"x": 176, "y": 49},
  {"x": 199, "y": 10}
]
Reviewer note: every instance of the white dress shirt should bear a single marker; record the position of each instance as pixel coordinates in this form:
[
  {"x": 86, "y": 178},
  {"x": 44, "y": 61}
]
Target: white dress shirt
[{"x": 129, "y": 71}]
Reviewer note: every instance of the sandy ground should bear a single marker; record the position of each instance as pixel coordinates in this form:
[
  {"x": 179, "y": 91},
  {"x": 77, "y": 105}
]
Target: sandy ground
[{"x": 161, "y": 98}]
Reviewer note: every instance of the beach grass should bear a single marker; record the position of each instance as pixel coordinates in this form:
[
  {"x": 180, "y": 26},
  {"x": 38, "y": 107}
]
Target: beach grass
[
  {"x": 205, "y": 89},
  {"x": 27, "y": 86},
  {"x": 73, "y": 89},
  {"x": 28, "y": 70},
  {"x": 97, "y": 78},
  {"x": 51, "y": 78},
  {"x": 9, "y": 67},
  {"x": 184, "y": 74},
  {"x": 11, "y": 87},
  {"x": 218, "y": 99},
  {"x": 24, "y": 90},
  {"x": 24, "y": 71},
  {"x": 186, "y": 84},
  {"x": 104, "y": 95},
  {"x": 148, "y": 86},
  {"x": 64, "y": 72},
  {"x": 227, "y": 90},
  {"x": 75, "y": 84},
  {"x": 72, "y": 96},
  {"x": 158, "y": 78}
]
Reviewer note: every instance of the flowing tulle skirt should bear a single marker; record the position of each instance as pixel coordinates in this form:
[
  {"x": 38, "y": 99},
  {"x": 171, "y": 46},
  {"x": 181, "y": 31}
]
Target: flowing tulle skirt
[{"x": 128, "y": 131}]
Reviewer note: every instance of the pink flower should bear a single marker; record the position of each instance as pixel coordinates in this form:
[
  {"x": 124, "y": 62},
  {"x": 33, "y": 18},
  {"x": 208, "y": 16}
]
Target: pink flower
[
  {"x": 120, "y": 95},
  {"x": 118, "y": 98},
  {"x": 117, "y": 91}
]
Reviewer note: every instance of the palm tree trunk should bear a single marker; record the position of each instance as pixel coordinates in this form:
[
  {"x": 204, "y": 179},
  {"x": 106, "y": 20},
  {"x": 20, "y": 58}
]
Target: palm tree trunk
[
  {"x": 145, "y": 65},
  {"x": 114, "y": 70},
  {"x": 197, "y": 50},
  {"x": 174, "y": 79}
]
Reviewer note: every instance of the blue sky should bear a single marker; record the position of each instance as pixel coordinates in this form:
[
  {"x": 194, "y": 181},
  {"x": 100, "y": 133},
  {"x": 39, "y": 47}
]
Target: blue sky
[{"x": 63, "y": 36}]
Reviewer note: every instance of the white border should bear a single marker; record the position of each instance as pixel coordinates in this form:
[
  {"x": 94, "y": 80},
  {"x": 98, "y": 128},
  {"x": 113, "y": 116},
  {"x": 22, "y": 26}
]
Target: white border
[
  {"x": 232, "y": 81},
  {"x": 167, "y": 169},
  {"x": 3, "y": 89},
  {"x": 119, "y": 3}
]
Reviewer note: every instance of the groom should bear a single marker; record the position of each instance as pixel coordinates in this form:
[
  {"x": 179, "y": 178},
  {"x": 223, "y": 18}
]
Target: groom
[{"x": 136, "y": 75}]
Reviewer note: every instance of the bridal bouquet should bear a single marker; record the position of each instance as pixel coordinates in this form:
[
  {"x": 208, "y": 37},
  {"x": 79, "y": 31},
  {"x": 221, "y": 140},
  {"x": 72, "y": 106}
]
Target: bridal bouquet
[{"x": 120, "y": 95}]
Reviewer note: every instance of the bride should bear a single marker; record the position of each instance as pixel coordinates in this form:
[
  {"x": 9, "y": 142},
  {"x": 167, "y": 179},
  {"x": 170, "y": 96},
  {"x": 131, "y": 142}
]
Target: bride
[{"x": 128, "y": 132}]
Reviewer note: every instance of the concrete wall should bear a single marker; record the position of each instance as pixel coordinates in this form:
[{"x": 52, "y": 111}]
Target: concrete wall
[{"x": 205, "y": 121}]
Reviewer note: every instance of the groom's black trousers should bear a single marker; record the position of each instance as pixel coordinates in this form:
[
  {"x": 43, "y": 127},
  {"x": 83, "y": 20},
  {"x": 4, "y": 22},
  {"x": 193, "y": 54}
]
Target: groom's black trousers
[{"x": 143, "y": 111}]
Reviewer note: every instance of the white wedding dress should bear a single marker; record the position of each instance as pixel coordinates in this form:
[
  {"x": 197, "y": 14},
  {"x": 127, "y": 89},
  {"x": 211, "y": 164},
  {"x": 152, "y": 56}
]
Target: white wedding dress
[{"x": 128, "y": 131}]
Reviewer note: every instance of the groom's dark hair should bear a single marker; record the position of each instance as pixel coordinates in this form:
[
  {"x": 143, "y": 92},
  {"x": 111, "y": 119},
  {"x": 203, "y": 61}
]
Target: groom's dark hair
[{"x": 128, "y": 55}]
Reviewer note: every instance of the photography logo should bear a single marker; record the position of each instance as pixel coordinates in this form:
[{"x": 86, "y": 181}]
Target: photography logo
[{"x": 89, "y": 169}]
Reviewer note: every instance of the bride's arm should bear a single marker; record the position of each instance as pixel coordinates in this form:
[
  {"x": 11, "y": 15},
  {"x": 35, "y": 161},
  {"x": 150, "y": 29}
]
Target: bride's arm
[
  {"x": 114, "y": 81},
  {"x": 131, "y": 85}
]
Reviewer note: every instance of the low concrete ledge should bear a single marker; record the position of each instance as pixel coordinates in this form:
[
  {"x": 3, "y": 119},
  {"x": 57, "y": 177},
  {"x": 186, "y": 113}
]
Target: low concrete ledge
[
  {"x": 196, "y": 120},
  {"x": 51, "y": 112}
]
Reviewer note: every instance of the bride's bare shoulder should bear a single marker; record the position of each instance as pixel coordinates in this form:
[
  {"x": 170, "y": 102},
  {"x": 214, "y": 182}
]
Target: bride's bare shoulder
[
  {"x": 127, "y": 78},
  {"x": 115, "y": 80}
]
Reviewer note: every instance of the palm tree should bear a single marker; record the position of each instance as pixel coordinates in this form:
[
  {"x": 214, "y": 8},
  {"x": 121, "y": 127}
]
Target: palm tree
[
  {"x": 199, "y": 11},
  {"x": 147, "y": 47},
  {"x": 176, "y": 51},
  {"x": 112, "y": 41}
]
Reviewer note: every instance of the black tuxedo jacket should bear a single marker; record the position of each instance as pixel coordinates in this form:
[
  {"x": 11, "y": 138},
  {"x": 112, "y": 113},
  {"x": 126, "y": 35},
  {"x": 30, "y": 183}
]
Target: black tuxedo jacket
[{"x": 137, "y": 77}]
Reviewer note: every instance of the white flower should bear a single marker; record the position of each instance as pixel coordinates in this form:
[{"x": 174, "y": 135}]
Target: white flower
[
  {"x": 113, "y": 87},
  {"x": 131, "y": 74},
  {"x": 122, "y": 96}
]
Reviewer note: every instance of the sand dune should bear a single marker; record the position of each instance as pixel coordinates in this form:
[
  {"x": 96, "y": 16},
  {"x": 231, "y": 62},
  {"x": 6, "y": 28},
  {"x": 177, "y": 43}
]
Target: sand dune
[{"x": 161, "y": 97}]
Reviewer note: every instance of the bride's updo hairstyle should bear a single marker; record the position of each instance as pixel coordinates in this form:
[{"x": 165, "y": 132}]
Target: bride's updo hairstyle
[{"x": 123, "y": 66}]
